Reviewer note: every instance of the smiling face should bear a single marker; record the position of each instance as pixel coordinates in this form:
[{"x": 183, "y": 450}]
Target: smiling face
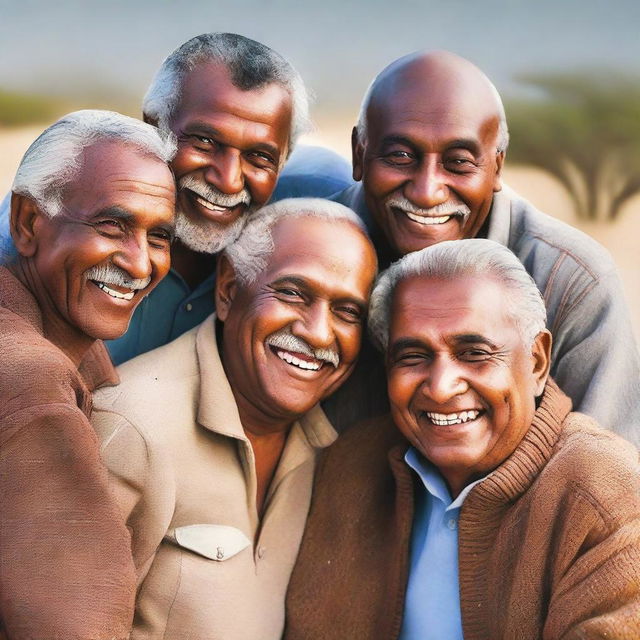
[
  {"x": 429, "y": 164},
  {"x": 231, "y": 144},
  {"x": 291, "y": 338},
  {"x": 109, "y": 246},
  {"x": 462, "y": 383}
]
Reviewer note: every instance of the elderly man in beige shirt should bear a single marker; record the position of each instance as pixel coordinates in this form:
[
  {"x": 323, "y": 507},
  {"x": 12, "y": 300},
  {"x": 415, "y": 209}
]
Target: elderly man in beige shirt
[{"x": 211, "y": 440}]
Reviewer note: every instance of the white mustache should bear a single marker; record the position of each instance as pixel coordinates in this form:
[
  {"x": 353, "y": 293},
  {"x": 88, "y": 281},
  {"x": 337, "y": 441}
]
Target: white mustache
[
  {"x": 213, "y": 195},
  {"x": 283, "y": 339},
  {"x": 444, "y": 209},
  {"x": 110, "y": 274}
]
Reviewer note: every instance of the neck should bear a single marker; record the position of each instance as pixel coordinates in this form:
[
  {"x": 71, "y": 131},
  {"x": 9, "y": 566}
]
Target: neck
[
  {"x": 68, "y": 338},
  {"x": 192, "y": 266}
]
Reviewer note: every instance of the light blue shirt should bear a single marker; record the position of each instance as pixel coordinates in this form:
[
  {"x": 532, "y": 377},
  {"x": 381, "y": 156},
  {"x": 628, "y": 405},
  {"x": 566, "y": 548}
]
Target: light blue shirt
[{"x": 432, "y": 603}]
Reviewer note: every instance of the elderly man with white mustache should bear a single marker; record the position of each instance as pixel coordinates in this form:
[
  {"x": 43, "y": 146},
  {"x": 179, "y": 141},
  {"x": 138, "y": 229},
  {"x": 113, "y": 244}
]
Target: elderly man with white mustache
[
  {"x": 92, "y": 212},
  {"x": 211, "y": 439}
]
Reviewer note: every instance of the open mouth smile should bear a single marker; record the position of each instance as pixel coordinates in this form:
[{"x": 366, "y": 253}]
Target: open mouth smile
[
  {"x": 210, "y": 205},
  {"x": 450, "y": 419},
  {"x": 113, "y": 293},
  {"x": 427, "y": 220},
  {"x": 298, "y": 360}
]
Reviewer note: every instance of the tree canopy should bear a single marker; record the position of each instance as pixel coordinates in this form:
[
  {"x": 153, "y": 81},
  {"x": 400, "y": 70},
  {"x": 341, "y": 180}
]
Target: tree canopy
[{"x": 584, "y": 130}]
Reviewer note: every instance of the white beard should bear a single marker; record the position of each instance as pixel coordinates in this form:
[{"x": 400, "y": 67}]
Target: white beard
[{"x": 207, "y": 236}]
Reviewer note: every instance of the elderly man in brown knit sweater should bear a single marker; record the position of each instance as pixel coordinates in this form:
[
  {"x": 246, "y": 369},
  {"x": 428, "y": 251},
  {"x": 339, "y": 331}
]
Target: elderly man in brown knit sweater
[
  {"x": 482, "y": 508},
  {"x": 92, "y": 216}
]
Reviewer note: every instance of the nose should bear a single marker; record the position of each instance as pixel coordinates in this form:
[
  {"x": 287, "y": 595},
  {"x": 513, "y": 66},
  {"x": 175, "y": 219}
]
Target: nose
[
  {"x": 133, "y": 257},
  {"x": 427, "y": 187},
  {"x": 225, "y": 170},
  {"x": 444, "y": 380},
  {"x": 315, "y": 326}
]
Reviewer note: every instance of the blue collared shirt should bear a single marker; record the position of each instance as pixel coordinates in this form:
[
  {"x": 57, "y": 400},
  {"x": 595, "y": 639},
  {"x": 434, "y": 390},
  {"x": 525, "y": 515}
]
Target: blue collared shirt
[{"x": 432, "y": 604}]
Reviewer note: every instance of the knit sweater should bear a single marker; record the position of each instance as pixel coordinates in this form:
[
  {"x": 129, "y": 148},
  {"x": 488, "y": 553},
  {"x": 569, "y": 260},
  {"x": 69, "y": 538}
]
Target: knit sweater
[{"x": 549, "y": 542}]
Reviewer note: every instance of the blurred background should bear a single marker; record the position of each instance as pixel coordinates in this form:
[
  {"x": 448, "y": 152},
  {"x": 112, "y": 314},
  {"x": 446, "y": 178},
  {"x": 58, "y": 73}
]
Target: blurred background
[{"x": 569, "y": 73}]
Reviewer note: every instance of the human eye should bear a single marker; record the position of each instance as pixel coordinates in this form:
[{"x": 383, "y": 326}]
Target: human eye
[
  {"x": 459, "y": 163},
  {"x": 160, "y": 239},
  {"x": 349, "y": 313},
  {"x": 409, "y": 358},
  {"x": 398, "y": 157},
  {"x": 288, "y": 292},
  {"x": 475, "y": 354},
  {"x": 110, "y": 227},
  {"x": 262, "y": 159}
]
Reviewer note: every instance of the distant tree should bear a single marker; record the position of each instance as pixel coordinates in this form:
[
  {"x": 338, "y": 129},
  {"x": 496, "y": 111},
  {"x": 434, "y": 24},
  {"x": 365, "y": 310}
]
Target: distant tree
[{"x": 584, "y": 130}]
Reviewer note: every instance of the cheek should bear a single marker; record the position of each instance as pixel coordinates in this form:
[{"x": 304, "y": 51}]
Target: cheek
[
  {"x": 260, "y": 185},
  {"x": 349, "y": 342},
  {"x": 401, "y": 387},
  {"x": 185, "y": 161}
]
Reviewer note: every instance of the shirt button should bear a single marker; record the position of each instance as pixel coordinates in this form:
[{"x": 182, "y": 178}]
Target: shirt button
[
  {"x": 261, "y": 552},
  {"x": 188, "y": 306},
  {"x": 451, "y": 523}
]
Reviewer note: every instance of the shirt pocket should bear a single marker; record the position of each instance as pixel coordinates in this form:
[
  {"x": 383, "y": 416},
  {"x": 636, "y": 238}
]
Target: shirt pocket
[{"x": 217, "y": 542}]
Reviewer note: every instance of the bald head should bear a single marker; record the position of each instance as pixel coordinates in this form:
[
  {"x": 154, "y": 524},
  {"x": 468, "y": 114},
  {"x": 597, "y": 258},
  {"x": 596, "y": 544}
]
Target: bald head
[
  {"x": 443, "y": 79},
  {"x": 429, "y": 149}
]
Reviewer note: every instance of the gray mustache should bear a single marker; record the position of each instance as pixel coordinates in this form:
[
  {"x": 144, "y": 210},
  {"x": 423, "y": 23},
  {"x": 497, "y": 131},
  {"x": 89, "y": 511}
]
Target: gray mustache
[
  {"x": 110, "y": 274},
  {"x": 213, "y": 195},
  {"x": 285, "y": 340},
  {"x": 444, "y": 209}
]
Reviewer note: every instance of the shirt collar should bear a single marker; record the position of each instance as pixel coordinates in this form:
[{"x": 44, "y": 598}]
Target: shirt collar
[{"x": 433, "y": 481}]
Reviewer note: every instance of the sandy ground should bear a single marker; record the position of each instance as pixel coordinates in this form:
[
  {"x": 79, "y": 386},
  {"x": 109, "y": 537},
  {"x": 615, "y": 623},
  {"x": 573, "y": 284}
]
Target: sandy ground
[{"x": 619, "y": 237}]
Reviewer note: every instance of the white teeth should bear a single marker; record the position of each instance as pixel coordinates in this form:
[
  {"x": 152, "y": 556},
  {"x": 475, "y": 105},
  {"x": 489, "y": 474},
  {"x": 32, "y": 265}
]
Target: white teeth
[
  {"x": 427, "y": 219},
  {"x": 209, "y": 205},
  {"x": 115, "y": 294},
  {"x": 302, "y": 364},
  {"x": 446, "y": 419}
]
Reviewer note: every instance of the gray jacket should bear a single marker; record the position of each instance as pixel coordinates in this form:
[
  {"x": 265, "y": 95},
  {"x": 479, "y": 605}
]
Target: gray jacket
[{"x": 595, "y": 359}]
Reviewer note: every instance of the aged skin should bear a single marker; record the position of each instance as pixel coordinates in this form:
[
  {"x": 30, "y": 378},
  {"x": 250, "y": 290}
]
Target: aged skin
[
  {"x": 429, "y": 163},
  {"x": 315, "y": 288},
  {"x": 231, "y": 145},
  {"x": 454, "y": 348},
  {"x": 118, "y": 214}
]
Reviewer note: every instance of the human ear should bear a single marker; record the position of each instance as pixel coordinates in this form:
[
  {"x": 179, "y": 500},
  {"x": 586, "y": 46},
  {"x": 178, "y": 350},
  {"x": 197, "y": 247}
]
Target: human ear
[
  {"x": 497, "y": 182},
  {"x": 541, "y": 356},
  {"x": 357, "y": 153},
  {"x": 226, "y": 286},
  {"x": 22, "y": 224}
]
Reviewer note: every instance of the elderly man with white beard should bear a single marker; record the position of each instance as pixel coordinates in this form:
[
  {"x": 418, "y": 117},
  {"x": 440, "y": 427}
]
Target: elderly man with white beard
[{"x": 211, "y": 440}]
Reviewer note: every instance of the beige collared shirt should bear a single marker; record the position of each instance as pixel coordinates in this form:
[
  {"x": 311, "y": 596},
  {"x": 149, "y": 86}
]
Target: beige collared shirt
[{"x": 184, "y": 475}]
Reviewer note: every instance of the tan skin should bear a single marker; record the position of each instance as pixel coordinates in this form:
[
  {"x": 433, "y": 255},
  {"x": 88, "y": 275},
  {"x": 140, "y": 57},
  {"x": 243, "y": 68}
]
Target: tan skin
[
  {"x": 230, "y": 138},
  {"x": 454, "y": 348},
  {"x": 432, "y": 125},
  {"x": 119, "y": 211},
  {"x": 318, "y": 289}
]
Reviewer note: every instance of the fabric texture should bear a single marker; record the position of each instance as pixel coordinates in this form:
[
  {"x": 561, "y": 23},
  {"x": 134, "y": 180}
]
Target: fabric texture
[
  {"x": 549, "y": 542},
  {"x": 65, "y": 563},
  {"x": 595, "y": 359},
  {"x": 184, "y": 473},
  {"x": 173, "y": 307}
]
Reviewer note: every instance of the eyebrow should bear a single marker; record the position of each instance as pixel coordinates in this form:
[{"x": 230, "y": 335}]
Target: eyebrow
[
  {"x": 465, "y": 143},
  {"x": 474, "y": 338},
  {"x": 462, "y": 339},
  {"x": 303, "y": 283},
  {"x": 406, "y": 343}
]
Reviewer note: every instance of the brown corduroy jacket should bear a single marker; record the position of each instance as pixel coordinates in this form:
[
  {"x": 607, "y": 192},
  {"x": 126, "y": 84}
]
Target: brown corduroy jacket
[{"x": 549, "y": 543}]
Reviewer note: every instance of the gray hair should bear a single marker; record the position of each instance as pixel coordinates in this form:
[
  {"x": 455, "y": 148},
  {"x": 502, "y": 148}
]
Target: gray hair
[
  {"x": 251, "y": 65},
  {"x": 454, "y": 259},
  {"x": 250, "y": 253},
  {"x": 503, "y": 130},
  {"x": 55, "y": 156}
]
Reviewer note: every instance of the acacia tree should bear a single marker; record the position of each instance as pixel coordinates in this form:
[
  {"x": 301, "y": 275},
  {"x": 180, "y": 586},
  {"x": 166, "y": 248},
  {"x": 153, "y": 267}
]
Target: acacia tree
[{"x": 584, "y": 130}]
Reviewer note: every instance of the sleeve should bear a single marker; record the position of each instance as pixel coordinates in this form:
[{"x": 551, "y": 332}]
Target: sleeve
[
  {"x": 595, "y": 359},
  {"x": 597, "y": 592},
  {"x": 141, "y": 480},
  {"x": 66, "y": 566}
]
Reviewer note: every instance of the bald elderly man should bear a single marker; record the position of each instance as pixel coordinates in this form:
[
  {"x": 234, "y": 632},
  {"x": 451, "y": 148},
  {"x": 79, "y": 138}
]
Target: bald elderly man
[{"x": 428, "y": 152}]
